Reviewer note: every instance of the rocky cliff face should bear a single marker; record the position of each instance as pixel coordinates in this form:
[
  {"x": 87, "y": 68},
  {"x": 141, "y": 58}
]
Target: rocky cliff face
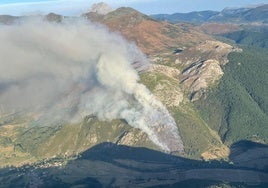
[{"x": 202, "y": 65}]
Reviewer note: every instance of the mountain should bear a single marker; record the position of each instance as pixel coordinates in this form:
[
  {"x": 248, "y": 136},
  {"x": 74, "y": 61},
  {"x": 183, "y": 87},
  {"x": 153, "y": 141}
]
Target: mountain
[
  {"x": 186, "y": 63},
  {"x": 150, "y": 35},
  {"x": 163, "y": 43},
  {"x": 175, "y": 52},
  {"x": 228, "y": 15},
  {"x": 191, "y": 17},
  {"x": 219, "y": 28},
  {"x": 240, "y": 98},
  {"x": 243, "y": 15},
  {"x": 249, "y": 37},
  {"x": 213, "y": 86},
  {"x": 169, "y": 42}
]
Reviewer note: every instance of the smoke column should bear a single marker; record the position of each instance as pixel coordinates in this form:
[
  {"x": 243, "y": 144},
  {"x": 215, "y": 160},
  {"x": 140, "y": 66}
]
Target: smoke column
[{"x": 69, "y": 70}]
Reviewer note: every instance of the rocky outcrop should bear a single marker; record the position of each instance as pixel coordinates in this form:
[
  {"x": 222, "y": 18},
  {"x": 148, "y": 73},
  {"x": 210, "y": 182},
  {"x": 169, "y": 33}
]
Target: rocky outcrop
[
  {"x": 201, "y": 75},
  {"x": 169, "y": 71},
  {"x": 202, "y": 65},
  {"x": 101, "y": 8}
]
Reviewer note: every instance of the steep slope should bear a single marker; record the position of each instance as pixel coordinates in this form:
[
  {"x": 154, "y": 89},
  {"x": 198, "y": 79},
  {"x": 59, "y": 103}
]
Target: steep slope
[
  {"x": 202, "y": 66},
  {"x": 176, "y": 50},
  {"x": 235, "y": 106},
  {"x": 150, "y": 35},
  {"x": 166, "y": 43},
  {"x": 240, "y": 100},
  {"x": 250, "y": 37},
  {"x": 166, "y": 78},
  {"x": 219, "y": 28}
]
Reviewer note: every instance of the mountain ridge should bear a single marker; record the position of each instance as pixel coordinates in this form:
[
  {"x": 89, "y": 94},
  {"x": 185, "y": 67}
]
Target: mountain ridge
[{"x": 228, "y": 15}]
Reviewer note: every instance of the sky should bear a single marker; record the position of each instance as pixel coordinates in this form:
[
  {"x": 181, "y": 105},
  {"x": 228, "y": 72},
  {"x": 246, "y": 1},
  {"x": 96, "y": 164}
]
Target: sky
[{"x": 77, "y": 7}]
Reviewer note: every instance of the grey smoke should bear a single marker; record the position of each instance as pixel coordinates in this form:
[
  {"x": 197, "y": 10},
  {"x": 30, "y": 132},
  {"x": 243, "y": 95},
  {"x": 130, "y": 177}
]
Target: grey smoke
[{"x": 69, "y": 70}]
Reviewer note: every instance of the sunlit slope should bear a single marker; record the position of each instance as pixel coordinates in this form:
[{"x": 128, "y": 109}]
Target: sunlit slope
[{"x": 198, "y": 137}]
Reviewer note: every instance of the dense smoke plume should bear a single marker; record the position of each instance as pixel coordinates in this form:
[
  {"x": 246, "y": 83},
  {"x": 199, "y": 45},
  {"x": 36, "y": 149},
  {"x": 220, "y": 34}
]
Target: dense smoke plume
[{"x": 69, "y": 70}]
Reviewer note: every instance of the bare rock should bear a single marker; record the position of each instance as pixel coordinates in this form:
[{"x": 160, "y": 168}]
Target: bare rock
[
  {"x": 101, "y": 8},
  {"x": 169, "y": 71},
  {"x": 202, "y": 65}
]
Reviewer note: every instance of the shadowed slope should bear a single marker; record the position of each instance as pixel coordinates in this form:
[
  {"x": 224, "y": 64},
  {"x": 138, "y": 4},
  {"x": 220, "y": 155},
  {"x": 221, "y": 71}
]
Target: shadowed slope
[{"x": 110, "y": 165}]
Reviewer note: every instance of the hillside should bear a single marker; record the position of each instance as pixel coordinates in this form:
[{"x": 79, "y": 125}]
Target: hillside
[
  {"x": 209, "y": 87},
  {"x": 239, "y": 100},
  {"x": 243, "y": 15},
  {"x": 150, "y": 35},
  {"x": 163, "y": 46},
  {"x": 249, "y": 37},
  {"x": 219, "y": 28},
  {"x": 191, "y": 17}
]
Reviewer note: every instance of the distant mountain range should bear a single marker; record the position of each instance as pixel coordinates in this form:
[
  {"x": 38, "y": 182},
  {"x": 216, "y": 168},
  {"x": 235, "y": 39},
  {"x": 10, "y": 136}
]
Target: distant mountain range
[{"x": 234, "y": 15}]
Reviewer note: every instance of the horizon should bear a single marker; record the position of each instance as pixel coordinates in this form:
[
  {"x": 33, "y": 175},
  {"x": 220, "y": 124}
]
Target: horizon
[{"x": 75, "y": 8}]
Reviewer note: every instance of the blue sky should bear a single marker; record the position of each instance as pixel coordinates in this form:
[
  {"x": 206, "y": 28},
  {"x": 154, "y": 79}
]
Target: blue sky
[
  {"x": 76, "y": 7},
  {"x": 16, "y": 1}
]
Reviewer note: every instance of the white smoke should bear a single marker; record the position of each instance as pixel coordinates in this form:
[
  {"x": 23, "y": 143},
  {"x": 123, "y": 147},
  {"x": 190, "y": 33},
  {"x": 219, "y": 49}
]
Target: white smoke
[{"x": 69, "y": 70}]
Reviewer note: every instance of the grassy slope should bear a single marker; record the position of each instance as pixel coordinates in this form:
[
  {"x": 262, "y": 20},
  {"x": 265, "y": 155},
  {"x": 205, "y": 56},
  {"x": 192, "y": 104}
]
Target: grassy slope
[
  {"x": 23, "y": 143},
  {"x": 238, "y": 107},
  {"x": 196, "y": 134},
  {"x": 39, "y": 142}
]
